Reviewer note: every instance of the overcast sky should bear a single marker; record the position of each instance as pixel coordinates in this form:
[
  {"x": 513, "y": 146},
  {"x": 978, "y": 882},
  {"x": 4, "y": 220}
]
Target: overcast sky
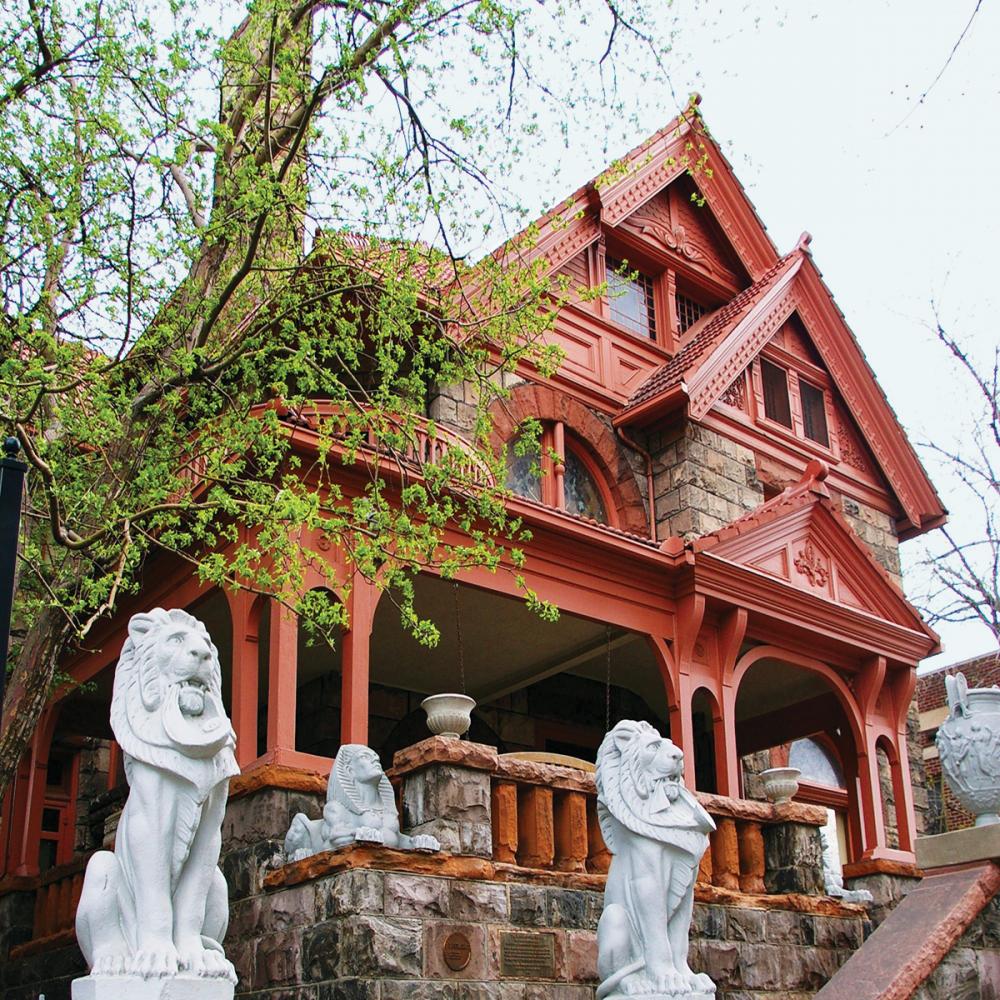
[{"x": 817, "y": 108}]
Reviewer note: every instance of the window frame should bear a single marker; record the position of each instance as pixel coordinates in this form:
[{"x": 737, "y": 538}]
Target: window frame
[
  {"x": 796, "y": 371},
  {"x": 669, "y": 279},
  {"x": 556, "y": 439}
]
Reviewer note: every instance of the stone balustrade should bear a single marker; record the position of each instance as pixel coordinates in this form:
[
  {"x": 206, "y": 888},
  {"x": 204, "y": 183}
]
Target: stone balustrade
[{"x": 529, "y": 814}]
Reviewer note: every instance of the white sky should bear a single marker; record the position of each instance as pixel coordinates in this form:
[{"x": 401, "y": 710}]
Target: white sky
[{"x": 807, "y": 105}]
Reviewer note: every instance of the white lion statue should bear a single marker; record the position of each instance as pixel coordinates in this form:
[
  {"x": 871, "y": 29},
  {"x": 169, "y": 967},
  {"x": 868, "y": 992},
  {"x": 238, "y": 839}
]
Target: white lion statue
[
  {"x": 359, "y": 806},
  {"x": 158, "y": 907},
  {"x": 657, "y": 832}
]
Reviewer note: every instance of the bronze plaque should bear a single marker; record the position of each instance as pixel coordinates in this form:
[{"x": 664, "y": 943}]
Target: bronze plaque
[
  {"x": 457, "y": 951},
  {"x": 528, "y": 956}
]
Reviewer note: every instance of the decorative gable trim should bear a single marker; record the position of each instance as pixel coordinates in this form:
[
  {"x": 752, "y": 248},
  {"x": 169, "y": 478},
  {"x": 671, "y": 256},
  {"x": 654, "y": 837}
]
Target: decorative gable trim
[
  {"x": 661, "y": 160},
  {"x": 867, "y": 404},
  {"x": 742, "y": 345},
  {"x": 801, "y": 539}
]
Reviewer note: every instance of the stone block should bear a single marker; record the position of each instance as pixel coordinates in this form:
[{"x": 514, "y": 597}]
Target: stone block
[
  {"x": 348, "y": 989},
  {"x": 528, "y": 906},
  {"x": 415, "y": 896},
  {"x": 278, "y": 961},
  {"x": 708, "y": 921},
  {"x": 480, "y": 901},
  {"x": 794, "y": 858},
  {"x": 362, "y": 946},
  {"x": 568, "y": 908},
  {"x": 357, "y": 891},
  {"x": 744, "y": 924},
  {"x": 451, "y": 803},
  {"x": 581, "y": 957}
]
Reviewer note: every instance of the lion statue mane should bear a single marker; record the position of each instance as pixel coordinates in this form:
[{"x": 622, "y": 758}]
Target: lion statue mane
[
  {"x": 360, "y": 806},
  {"x": 157, "y": 906},
  {"x": 657, "y": 832}
]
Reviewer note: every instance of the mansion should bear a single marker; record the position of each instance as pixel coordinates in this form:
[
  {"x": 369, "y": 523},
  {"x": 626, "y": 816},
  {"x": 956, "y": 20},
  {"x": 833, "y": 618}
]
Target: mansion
[{"x": 724, "y": 489}]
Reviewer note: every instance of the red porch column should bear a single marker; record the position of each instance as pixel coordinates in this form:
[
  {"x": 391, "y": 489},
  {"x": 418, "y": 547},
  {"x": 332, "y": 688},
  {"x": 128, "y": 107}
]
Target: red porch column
[
  {"x": 27, "y": 861},
  {"x": 245, "y": 609},
  {"x": 282, "y": 678},
  {"x": 727, "y": 760},
  {"x": 14, "y": 817},
  {"x": 903, "y": 793},
  {"x": 682, "y": 725},
  {"x": 361, "y": 607},
  {"x": 872, "y": 817}
]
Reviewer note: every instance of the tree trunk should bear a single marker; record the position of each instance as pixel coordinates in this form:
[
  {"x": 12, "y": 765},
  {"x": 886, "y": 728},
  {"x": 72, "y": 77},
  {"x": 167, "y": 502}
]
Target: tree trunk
[{"x": 29, "y": 689}]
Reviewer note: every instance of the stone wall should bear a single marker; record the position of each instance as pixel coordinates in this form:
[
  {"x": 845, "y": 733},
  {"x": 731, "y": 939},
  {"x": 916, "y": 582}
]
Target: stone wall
[
  {"x": 701, "y": 480},
  {"x": 366, "y": 934},
  {"x": 971, "y": 970},
  {"x": 878, "y": 532}
]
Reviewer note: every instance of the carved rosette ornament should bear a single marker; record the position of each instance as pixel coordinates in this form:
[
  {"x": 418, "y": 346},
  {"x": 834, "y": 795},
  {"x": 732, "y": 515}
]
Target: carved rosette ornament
[
  {"x": 657, "y": 832},
  {"x": 969, "y": 744},
  {"x": 153, "y": 913},
  {"x": 812, "y": 565}
]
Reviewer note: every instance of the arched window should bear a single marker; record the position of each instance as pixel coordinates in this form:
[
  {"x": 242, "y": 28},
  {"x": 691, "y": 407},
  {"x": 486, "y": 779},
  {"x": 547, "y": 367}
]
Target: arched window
[
  {"x": 816, "y": 763},
  {"x": 560, "y": 474},
  {"x": 582, "y": 494}
]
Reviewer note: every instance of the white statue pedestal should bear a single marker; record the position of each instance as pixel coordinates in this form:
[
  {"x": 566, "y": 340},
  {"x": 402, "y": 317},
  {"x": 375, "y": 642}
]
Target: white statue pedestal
[{"x": 165, "y": 988}]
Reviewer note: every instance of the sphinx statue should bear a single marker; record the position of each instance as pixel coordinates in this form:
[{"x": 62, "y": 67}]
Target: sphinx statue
[
  {"x": 360, "y": 807},
  {"x": 155, "y": 910},
  {"x": 657, "y": 832}
]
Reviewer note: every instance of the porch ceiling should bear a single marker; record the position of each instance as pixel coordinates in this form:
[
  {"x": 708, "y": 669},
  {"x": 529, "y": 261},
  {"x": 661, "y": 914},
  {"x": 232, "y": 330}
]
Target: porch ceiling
[{"x": 506, "y": 647}]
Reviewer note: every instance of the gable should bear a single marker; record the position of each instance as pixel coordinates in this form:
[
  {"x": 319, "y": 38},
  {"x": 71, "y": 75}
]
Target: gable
[
  {"x": 673, "y": 224},
  {"x": 814, "y": 550}
]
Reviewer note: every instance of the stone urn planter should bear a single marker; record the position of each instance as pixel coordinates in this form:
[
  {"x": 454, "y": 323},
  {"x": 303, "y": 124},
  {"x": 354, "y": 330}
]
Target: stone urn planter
[
  {"x": 448, "y": 714},
  {"x": 780, "y": 783},
  {"x": 969, "y": 744}
]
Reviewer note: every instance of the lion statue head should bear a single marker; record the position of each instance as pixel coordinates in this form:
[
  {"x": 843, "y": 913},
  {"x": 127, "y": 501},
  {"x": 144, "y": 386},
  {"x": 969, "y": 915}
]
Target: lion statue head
[
  {"x": 640, "y": 784},
  {"x": 357, "y": 764},
  {"x": 167, "y": 707}
]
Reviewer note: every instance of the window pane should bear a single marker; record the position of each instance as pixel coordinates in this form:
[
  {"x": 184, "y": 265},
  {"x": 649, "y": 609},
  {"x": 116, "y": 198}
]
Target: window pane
[
  {"x": 776, "y": 393},
  {"x": 816, "y": 763},
  {"x": 50, "y": 820},
  {"x": 521, "y": 477},
  {"x": 631, "y": 301},
  {"x": 582, "y": 495},
  {"x": 814, "y": 414},
  {"x": 688, "y": 312},
  {"x": 47, "y": 852}
]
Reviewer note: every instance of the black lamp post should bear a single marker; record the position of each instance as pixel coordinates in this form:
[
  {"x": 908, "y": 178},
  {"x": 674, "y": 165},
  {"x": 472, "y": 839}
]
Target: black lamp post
[{"x": 12, "y": 472}]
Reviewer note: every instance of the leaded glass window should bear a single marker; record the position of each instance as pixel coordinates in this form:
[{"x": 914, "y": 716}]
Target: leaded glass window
[
  {"x": 583, "y": 496},
  {"x": 630, "y": 298}
]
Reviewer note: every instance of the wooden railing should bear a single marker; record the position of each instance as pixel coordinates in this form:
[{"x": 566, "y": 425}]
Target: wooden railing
[
  {"x": 545, "y": 817},
  {"x": 57, "y": 893},
  {"x": 421, "y": 446}
]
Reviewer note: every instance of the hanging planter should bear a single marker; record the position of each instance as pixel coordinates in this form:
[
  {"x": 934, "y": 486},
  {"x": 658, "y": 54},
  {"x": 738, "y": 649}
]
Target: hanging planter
[{"x": 451, "y": 714}]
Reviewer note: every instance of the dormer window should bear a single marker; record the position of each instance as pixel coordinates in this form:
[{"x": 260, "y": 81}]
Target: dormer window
[
  {"x": 630, "y": 298},
  {"x": 776, "y": 403},
  {"x": 780, "y": 390},
  {"x": 814, "y": 414}
]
